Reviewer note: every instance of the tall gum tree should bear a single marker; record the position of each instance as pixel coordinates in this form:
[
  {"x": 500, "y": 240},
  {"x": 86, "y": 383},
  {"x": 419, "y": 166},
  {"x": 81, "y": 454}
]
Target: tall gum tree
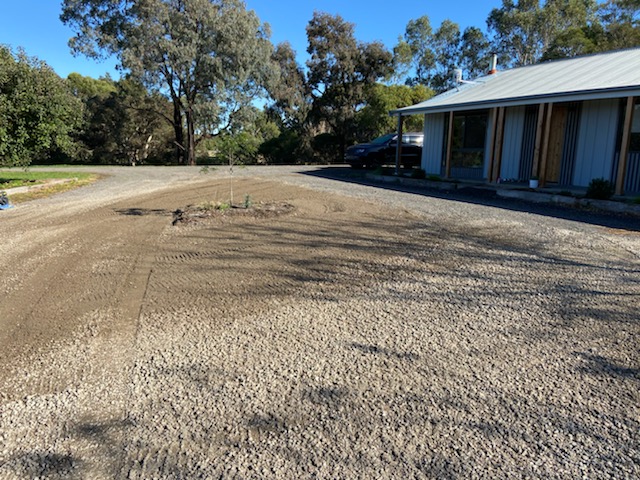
[
  {"x": 340, "y": 69},
  {"x": 524, "y": 30},
  {"x": 211, "y": 58}
]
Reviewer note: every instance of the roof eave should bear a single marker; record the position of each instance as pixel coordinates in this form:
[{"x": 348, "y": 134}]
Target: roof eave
[{"x": 599, "y": 94}]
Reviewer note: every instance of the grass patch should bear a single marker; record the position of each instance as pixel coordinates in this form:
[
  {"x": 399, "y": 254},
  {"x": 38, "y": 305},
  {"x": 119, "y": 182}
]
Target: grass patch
[
  {"x": 18, "y": 179},
  {"x": 21, "y": 178}
]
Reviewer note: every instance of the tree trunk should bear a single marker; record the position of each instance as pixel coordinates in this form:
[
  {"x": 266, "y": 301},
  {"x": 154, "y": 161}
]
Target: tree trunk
[
  {"x": 147, "y": 145},
  {"x": 191, "y": 139},
  {"x": 179, "y": 132}
]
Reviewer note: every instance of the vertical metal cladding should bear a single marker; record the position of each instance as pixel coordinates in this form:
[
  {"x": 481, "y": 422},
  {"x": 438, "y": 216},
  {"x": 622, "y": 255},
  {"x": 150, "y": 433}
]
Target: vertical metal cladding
[
  {"x": 632, "y": 175},
  {"x": 569, "y": 148},
  {"x": 632, "y": 181},
  {"x": 528, "y": 142},
  {"x": 512, "y": 143}
]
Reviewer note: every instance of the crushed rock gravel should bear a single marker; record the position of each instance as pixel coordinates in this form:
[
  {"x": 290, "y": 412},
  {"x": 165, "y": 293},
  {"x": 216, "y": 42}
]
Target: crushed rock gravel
[{"x": 368, "y": 333}]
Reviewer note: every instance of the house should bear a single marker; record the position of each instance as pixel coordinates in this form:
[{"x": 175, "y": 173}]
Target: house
[{"x": 566, "y": 122}]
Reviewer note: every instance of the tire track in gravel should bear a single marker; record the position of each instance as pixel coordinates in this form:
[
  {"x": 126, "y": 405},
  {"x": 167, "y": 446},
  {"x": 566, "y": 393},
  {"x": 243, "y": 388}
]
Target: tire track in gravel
[
  {"x": 68, "y": 267},
  {"x": 61, "y": 290}
]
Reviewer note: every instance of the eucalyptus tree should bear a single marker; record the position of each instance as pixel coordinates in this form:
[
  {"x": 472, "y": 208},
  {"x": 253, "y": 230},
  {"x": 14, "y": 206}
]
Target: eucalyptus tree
[
  {"x": 475, "y": 53},
  {"x": 340, "y": 69},
  {"x": 291, "y": 94},
  {"x": 374, "y": 119},
  {"x": 446, "y": 43},
  {"x": 612, "y": 25},
  {"x": 621, "y": 24},
  {"x": 211, "y": 58},
  {"x": 518, "y": 31},
  {"x": 85, "y": 87},
  {"x": 414, "y": 53},
  {"x": 125, "y": 126},
  {"x": 528, "y": 31},
  {"x": 430, "y": 57}
]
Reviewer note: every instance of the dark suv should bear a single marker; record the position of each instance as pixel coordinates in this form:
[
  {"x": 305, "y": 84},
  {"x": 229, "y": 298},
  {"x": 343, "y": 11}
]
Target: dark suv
[{"x": 382, "y": 151}]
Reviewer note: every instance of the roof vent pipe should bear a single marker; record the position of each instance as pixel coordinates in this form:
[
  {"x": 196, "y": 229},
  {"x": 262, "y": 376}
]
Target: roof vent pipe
[
  {"x": 457, "y": 77},
  {"x": 494, "y": 64}
]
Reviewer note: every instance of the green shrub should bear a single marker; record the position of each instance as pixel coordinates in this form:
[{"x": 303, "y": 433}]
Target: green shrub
[
  {"x": 434, "y": 178},
  {"x": 284, "y": 149},
  {"x": 326, "y": 148},
  {"x": 419, "y": 173},
  {"x": 600, "y": 189}
]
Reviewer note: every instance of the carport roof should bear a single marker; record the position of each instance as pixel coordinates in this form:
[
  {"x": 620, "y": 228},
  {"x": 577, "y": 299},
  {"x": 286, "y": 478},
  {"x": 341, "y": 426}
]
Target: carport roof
[{"x": 604, "y": 75}]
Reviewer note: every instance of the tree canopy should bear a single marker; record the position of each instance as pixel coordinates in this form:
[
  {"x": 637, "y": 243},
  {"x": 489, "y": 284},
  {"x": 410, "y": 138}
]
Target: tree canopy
[
  {"x": 38, "y": 113},
  {"x": 374, "y": 119},
  {"x": 430, "y": 57},
  {"x": 339, "y": 71},
  {"x": 196, "y": 73},
  {"x": 209, "y": 57}
]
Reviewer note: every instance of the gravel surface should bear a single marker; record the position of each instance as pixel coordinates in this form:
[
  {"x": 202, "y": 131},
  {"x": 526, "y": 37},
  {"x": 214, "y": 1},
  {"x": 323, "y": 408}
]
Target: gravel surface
[{"x": 367, "y": 333}]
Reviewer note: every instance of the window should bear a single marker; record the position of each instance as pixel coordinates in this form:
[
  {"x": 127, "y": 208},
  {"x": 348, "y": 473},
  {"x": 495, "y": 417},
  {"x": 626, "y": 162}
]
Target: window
[{"x": 469, "y": 132}]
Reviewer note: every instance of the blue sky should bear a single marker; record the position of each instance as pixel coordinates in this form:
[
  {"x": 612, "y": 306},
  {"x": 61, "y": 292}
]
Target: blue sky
[{"x": 35, "y": 25}]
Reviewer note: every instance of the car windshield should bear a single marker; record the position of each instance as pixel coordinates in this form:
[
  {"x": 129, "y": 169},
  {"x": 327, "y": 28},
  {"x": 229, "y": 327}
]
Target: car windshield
[{"x": 383, "y": 139}]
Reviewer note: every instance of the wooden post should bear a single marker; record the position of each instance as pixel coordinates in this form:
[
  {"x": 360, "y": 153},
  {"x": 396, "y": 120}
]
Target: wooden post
[
  {"x": 536, "y": 150},
  {"x": 399, "y": 145},
  {"x": 497, "y": 150},
  {"x": 624, "y": 146},
  {"x": 447, "y": 165},
  {"x": 544, "y": 154},
  {"x": 492, "y": 137}
]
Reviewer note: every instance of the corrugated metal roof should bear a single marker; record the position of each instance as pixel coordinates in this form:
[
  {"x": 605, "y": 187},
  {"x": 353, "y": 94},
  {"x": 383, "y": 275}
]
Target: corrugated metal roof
[{"x": 604, "y": 75}]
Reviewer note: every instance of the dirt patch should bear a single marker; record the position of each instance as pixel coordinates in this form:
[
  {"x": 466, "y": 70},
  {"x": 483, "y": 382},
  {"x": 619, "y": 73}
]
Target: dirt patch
[{"x": 223, "y": 212}]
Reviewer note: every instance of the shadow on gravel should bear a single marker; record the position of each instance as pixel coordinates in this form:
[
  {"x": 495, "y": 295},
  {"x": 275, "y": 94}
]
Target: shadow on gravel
[
  {"x": 597, "y": 364},
  {"x": 46, "y": 465},
  {"x": 502, "y": 300},
  {"x": 385, "y": 352},
  {"x": 340, "y": 249},
  {"x": 139, "y": 212},
  {"x": 481, "y": 196}
]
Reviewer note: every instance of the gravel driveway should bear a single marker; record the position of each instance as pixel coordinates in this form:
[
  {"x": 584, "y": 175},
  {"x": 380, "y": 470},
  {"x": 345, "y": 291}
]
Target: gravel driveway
[{"x": 370, "y": 333}]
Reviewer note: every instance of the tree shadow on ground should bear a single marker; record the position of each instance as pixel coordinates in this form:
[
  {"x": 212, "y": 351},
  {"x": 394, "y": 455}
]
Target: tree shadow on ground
[
  {"x": 486, "y": 197},
  {"x": 46, "y": 465},
  {"x": 140, "y": 212},
  {"x": 600, "y": 365}
]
